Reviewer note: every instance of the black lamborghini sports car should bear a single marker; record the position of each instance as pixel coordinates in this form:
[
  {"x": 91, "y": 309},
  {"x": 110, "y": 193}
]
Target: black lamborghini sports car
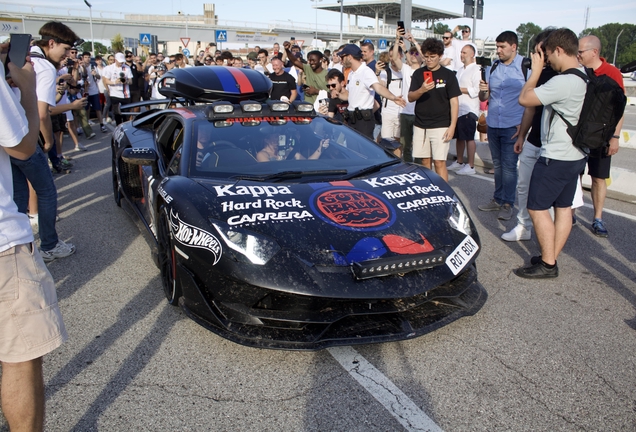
[{"x": 276, "y": 227}]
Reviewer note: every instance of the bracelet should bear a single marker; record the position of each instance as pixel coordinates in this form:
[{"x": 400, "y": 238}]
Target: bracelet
[{"x": 616, "y": 136}]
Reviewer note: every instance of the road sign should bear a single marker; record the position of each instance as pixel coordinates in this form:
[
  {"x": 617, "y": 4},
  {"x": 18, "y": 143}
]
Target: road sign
[
  {"x": 144, "y": 38},
  {"x": 382, "y": 44},
  {"x": 185, "y": 41},
  {"x": 10, "y": 25},
  {"x": 221, "y": 35},
  {"x": 185, "y": 52}
]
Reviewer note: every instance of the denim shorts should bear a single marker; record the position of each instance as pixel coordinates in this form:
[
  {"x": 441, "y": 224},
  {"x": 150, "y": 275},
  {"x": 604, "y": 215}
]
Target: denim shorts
[{"x": 31, "y": 324}]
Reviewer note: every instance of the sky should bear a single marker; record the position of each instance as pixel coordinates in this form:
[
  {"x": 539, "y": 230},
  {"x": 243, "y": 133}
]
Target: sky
[{"x": 499, "y": 15}]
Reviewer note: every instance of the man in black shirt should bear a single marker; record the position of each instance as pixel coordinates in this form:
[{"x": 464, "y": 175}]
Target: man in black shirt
[
  {"x": 284, "y": 85},
  {"x": 436, "y": 108},
  {"x": 335, "y": 106}
]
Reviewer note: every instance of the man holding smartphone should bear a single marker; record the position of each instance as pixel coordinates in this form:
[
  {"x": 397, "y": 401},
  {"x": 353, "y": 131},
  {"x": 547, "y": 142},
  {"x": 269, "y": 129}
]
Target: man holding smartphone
[
  {"x": 31, "y": 322},
  {"x": 435, "y": 91},
  {"x": 118, "y": 77}
]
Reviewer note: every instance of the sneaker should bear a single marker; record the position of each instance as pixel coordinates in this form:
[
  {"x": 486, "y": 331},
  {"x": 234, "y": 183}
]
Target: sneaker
[
  {"x": 535, "y": 259},
  {"x": 518, "y": 233},
  {"x": 491, "y": 206},
  {"x": 92, "y": 135},
  {"x": 505, "y": 213},
  {"x": 103, "y": 129},
  {"x": 65, "y": 163},
  {"x": 455, "y": 166},
  {"x": 466, "y": 170},
  {"x": 80, "y": 147},
  {"x": 573, "y": 220},
  {"x": 537, "y": 271},
  {"x": 60, "y": 250},
  {"x": 598, "y": 227}
]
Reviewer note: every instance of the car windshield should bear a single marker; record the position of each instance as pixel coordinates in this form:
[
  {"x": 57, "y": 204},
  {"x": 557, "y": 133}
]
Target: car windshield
[{"x": 269, "y": 148}]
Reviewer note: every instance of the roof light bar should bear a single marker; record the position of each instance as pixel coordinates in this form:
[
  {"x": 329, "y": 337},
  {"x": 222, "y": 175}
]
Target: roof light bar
[{"x": 398, "y": 265}]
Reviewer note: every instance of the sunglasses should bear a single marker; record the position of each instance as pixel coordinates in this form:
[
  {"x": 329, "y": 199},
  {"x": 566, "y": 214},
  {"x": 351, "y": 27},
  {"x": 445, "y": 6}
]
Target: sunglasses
[
  {"x": 445, "y": 37},
  {"x": 465, "y": 31},
  {"x": 129, "y": 56},
  {"x": 333, "y": 86}
]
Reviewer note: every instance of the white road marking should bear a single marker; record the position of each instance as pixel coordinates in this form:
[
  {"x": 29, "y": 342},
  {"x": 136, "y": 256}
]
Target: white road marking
[{"x": 383, "y": 390}]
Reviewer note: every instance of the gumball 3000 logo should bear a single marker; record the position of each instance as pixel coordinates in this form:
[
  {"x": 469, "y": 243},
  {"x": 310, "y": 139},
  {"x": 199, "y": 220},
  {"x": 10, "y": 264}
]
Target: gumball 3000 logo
[{"x": 353, "y": 209}]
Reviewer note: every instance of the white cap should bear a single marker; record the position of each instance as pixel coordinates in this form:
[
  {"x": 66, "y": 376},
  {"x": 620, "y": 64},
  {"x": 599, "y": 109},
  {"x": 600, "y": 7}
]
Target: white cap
[{"x": 121, "y": 58}]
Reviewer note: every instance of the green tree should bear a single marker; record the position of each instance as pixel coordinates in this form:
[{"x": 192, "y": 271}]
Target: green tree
[
  {"x": 626, "y": 50},
  {"x": 117, "y": 43},
  {"x": 440, "y": 28},
  {"x": 525, "y": 33},
  {"x": 99, "y": 48}
]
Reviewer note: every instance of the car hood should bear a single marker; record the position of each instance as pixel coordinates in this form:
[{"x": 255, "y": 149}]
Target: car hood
[{"x": 402, "y": 210}]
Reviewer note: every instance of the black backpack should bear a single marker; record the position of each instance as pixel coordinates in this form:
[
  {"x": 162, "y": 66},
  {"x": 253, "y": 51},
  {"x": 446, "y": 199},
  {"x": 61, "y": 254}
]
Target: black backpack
[
  {"x": 603, "y": 108},
  {"x": 526, "y": 63}
]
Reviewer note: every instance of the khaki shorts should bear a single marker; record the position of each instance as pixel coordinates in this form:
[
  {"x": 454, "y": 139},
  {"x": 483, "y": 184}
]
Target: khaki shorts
[
  {"x": 30, "y": 320},
  {"x": 390, "y": 125},
  {"x": 429, "y": 142}
]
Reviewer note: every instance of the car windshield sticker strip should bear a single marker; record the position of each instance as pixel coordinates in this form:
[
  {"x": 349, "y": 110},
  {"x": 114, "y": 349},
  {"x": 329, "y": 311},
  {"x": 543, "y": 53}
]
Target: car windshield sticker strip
[
  {"x": 245, "y": 85},
  {"x": 233, "y": 78}
]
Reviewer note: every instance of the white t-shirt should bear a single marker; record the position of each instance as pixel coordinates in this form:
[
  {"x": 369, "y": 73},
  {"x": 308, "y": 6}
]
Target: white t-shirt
[
  {"x": 93, "y": 87},
  {"x": 451, "y": 53},
  {"x": 459, "y": 45},
  {"x": 100, "y": 83},
  {"x": 407, "y": 74},
  {"x": 45, "y": 75},
  {"x": 565, "y": 94},
  {"x": 111, "y": 72},
  {"x": 15, "y": 228},
  {"x": 469, "y": 77},
  {"x": 361, "y": 95}
]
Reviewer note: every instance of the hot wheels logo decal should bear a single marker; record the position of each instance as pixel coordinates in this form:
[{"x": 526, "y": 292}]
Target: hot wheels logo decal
[
  {"x": 189, "y": 235},
  {"x": 353, "y": 209}
]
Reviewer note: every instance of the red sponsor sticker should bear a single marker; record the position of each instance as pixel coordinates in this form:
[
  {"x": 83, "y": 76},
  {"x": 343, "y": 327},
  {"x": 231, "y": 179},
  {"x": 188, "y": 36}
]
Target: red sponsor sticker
[{"x": 353, "y": 209}]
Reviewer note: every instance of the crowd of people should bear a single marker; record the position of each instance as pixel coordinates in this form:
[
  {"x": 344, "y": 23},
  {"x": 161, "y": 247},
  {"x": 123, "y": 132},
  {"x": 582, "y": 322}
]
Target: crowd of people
[{"x": 419, "y": 95}]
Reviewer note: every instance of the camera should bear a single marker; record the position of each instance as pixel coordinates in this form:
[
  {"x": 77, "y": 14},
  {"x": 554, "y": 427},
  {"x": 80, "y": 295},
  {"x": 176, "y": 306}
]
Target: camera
[
  {"x": 122, "y": 77},
  {"x": 483, "y": 61}
]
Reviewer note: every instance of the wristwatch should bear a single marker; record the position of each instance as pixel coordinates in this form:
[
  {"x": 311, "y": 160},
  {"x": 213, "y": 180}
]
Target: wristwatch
[{"x": 616, "y": 136}]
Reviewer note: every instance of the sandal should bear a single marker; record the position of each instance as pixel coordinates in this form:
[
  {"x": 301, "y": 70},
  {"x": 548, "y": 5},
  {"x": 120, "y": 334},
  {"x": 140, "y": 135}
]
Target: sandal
[{"x": 489, "y": 170}]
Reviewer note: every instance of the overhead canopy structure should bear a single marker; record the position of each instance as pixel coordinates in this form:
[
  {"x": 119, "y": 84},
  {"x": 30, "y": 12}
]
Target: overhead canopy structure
[{"x": 389, "y": 11}]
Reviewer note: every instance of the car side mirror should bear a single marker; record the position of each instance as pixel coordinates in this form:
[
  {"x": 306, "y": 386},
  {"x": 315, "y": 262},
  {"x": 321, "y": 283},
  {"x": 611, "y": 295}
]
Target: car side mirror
[{"x": 139, "y": 156}]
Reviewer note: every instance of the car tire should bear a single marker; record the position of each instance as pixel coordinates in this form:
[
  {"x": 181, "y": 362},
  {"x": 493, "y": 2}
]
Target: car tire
[{"x": 167, "y": 259}]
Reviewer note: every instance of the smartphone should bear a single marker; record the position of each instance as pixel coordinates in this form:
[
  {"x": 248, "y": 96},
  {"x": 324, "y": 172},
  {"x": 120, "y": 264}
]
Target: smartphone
[
  {"x": 19, "y": 47},
  {"x": 400, "y": 25},
  {"x": 428, "y": 76}
]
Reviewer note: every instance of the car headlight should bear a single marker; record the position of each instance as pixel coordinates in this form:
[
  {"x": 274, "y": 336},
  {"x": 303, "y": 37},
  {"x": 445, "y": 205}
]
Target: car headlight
[
  {"x": 256, "y": 248},
  {"x": 458, "y": 217}
]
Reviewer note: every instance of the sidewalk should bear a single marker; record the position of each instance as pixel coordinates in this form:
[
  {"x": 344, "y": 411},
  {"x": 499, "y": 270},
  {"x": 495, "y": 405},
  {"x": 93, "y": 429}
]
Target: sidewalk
[{"x": 623, "y": 180}]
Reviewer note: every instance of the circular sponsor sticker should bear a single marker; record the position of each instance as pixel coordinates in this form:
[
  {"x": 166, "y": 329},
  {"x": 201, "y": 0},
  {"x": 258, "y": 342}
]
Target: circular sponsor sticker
[{"x": 353, "y": 209}]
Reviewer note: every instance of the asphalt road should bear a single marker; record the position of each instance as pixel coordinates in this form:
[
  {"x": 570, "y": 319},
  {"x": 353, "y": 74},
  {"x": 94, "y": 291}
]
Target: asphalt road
[
  {"x": 555, "y": 355},
  {"x": 630, "y": 118}
]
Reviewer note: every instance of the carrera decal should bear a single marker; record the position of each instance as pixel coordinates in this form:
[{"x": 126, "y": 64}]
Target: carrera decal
[
  {"x": 255, "y": 191},
  {"x": 353, "y": 209},
  {"x": 191, "y": 236},
  {"x": 256, "y": 218},
  {"x": 424, "y": 202}
]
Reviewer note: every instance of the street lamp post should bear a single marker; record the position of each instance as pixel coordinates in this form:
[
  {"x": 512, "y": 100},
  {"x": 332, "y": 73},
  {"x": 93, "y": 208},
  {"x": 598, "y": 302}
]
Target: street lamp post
[
  {"x": 528, "y": 47},
  {"x": 341, "y": 13},
  {"x": 90, "y": 11},
  {"x": 616, "y": 46},
  {"x": 316, "y": 6}
]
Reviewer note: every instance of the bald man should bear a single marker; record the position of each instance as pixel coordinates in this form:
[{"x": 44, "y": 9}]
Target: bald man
[{"x": 599, "y": 162}]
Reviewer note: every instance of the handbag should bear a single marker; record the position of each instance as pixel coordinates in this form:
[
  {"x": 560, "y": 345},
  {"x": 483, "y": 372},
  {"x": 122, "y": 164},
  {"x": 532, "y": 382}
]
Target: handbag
[{"x": 482, "y": 126}]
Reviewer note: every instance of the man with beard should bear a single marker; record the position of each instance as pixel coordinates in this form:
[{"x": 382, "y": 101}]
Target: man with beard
[{"x": 314, "y": 73}]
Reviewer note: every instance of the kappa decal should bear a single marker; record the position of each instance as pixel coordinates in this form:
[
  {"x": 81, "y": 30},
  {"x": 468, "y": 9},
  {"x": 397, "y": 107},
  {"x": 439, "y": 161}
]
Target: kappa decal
[
  {"x": 353, "y": 209},
  {"x": 399, "y": 179},
  {"x": 189, "y": 235},
  {"x": 255, "y": 191}
]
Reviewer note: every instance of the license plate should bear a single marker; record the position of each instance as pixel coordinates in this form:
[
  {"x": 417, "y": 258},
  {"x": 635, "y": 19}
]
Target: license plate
[{"x": 462, "y": 255}]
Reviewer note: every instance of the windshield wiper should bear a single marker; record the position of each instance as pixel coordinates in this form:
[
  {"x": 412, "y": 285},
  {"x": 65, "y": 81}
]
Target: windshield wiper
[
  {"x": 289, "y": 175},
  {"x": 373, "y": 168}
]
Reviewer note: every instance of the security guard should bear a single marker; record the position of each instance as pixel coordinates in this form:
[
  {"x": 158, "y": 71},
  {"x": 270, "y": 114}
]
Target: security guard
[{"x": 361, "y": 87}]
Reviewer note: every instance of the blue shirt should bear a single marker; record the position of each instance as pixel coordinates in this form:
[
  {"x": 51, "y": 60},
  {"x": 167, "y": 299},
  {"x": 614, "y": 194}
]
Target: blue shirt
[{"x": 505, "y": 85}]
